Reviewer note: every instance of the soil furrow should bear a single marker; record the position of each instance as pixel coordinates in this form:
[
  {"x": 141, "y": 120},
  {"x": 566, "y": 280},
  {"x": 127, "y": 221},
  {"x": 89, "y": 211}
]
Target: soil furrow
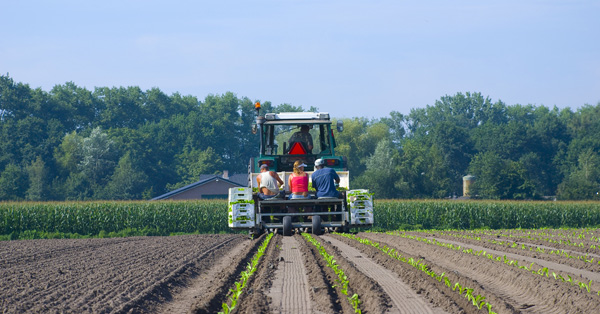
[
  {"x": 525, "y": 260},
  {"x": 194, "y": 273},
  {"x": 403, "y": 298},
  {"x": 556, "y": 258},
  {"x": 97, "y": 281},
  {"x": 436, "y": 292},
  {"x": 184, "y": 297},
  {"x": 527, "y": 292},
  {"x": 218, "y": 287}
]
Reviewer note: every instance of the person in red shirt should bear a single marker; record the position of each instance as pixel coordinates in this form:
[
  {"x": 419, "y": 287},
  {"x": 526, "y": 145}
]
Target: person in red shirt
[{"x": 298, "y": 181}]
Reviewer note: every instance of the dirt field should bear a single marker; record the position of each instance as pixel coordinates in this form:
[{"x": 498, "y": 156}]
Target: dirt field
[{"x": 194, "y": 274}]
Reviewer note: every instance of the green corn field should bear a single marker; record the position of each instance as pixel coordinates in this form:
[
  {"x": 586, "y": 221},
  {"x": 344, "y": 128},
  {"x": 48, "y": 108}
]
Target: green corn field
[
  {"x": 93, "y": 218},
  {"x": 444, "y": 214},
  {"x": 210, "y": 216}
]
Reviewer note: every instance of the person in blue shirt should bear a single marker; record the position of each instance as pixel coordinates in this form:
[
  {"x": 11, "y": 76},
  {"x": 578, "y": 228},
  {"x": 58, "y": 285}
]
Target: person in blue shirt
[{"x": 324, "y": 180}]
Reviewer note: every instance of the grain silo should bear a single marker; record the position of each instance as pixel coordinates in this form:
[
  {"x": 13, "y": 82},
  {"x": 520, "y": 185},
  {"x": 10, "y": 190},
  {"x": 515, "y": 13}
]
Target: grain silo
[{"x": 467, "y": 181}]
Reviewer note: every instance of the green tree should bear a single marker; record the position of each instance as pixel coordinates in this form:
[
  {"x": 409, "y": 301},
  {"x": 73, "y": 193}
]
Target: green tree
[
  {"x": 98, "y": 155},
  {"x": 38, "y": 181},
  {"x": 120, "y": 107},
  {"x": 69, "y": 154},
  {"x": 396, "y": 125},
  {"x": 73, "y": 106},
  {"x": 380, "y": 175},
  {"x": 499, "y": 178},
  {"x": 358, "y": 141},
  {"x": 583, "y": 183},
  {"x": 127, "y": 182},
  {"x": 77, "y": 187},
  {"x": 13, "y": 183},
  {"x": 422, "y": 172},
  {"x": 192, "y": 163}
]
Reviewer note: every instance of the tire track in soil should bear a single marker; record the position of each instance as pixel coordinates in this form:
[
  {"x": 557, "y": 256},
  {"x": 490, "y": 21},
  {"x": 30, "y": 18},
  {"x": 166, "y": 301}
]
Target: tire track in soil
[
  {"x": 527, "y": 293},
  {"x": 290, "y": 289},
  {"x": 183, "y": 300},
  {"x": 404, "y": 299}
]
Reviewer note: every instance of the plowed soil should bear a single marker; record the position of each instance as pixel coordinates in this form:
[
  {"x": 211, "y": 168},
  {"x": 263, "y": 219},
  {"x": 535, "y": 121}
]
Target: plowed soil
[{"x": 194, "y": 274}]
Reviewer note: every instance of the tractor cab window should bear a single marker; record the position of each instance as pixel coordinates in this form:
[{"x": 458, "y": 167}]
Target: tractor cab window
[{"x": 296, "y": 139}]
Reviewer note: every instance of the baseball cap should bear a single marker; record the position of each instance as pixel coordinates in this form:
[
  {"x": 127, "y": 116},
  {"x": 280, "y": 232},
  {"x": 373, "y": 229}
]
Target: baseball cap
[
  {"x": 264, "y": 166},
  {"x": 319, "y": 162}
]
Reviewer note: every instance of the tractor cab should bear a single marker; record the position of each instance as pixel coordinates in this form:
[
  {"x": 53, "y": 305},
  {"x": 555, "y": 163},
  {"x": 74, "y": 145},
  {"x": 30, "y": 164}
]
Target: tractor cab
[{"x": 291, "y": 136}]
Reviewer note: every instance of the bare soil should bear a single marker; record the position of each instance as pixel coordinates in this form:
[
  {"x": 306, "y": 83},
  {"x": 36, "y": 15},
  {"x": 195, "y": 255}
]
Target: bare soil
[{"x": 194, "y": 274}]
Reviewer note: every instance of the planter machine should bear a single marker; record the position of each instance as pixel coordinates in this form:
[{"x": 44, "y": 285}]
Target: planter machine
[{"x": 247, "y": 211}]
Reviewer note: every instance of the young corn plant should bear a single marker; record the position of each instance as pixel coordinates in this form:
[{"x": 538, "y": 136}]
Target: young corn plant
[
  {"x": 342, "y": 278},
  {"x": 541, "y": 271},
  {"x": 239, "y": 285},
  {"x": 477, "y": 300}
]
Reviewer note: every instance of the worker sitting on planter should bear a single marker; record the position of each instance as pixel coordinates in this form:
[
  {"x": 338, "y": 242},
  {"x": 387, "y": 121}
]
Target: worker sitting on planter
[
  {"x": 324, "y": 180},
  {"x": 269, "y": 183}
]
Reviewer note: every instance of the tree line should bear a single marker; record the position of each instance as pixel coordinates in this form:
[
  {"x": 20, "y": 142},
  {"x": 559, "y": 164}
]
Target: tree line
[{"x": 71, "y": 143}]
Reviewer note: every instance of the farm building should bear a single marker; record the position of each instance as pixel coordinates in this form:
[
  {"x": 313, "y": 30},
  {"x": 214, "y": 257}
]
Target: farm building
[{"x": 208, "y": 187}]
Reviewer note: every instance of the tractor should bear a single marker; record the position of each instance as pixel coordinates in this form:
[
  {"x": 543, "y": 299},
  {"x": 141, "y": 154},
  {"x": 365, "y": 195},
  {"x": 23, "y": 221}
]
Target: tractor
[{"x": 246, "y": 210}]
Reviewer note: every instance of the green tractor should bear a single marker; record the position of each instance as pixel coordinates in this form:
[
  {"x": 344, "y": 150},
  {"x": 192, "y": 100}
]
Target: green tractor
[{"x": 284, "y": 139}]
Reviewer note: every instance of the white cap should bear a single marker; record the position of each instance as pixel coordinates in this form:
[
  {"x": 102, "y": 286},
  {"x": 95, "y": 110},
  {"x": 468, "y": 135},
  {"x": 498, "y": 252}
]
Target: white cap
[
  {"x": 301, "y": 165},
  {"x": 319, "y": 162}
]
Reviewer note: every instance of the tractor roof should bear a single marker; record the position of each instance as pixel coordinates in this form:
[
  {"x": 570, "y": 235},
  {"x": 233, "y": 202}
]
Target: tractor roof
[{"x": 297, "y": 118}]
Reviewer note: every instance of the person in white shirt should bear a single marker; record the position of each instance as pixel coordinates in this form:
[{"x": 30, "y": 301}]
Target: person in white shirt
[{"x": 268, "y": 183}]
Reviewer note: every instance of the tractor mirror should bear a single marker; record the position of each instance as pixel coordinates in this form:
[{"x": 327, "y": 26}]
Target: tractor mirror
[{"x": 340, "y": 125}]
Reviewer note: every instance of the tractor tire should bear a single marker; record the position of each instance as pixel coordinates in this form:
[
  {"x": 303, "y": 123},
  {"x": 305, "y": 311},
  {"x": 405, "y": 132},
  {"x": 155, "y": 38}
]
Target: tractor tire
[
  {"x": 287, "y": 226},
  {"x": 316, "y": 225}
]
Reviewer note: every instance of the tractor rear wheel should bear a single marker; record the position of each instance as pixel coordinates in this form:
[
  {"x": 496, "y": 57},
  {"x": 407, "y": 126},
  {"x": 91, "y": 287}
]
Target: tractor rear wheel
[
  {"x": 287, "y": 226},
  {"x": 316, "y": 225}
]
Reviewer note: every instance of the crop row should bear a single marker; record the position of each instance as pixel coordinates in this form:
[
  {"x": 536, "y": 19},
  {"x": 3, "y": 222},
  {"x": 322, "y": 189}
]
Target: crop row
[
  {"x": 239, "y": 285},
  {"x": 514, "y": 245},
  {"x": 477, "y": 300},
  {"x": 575, "y": 234},
  {"x": 583, "y": 245},
  {"x": 543, "y": 271},
  {"x": 342, "y": 278}
]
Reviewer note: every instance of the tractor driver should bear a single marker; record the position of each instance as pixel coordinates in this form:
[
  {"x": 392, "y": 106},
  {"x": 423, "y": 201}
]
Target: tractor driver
[{"x": 303, "y": 137}]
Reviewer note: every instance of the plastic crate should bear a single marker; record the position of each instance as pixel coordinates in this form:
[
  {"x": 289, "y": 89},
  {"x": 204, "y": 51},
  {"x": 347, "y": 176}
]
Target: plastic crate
[
  {"x": 359, "y": 195},
  {"x": 240, "y": 194},
  {"x": 362, "y": 212},
  {"x": 361, "y": 205},
  {"x": 363, "y": 218},
  {"x": 241, "y": 221},
  {"x": 242, "y": 224},
  {"x": 243, "y": 209}
]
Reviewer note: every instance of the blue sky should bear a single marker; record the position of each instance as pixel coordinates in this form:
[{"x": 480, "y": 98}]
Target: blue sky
[{"x": 350, "y": 58}]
